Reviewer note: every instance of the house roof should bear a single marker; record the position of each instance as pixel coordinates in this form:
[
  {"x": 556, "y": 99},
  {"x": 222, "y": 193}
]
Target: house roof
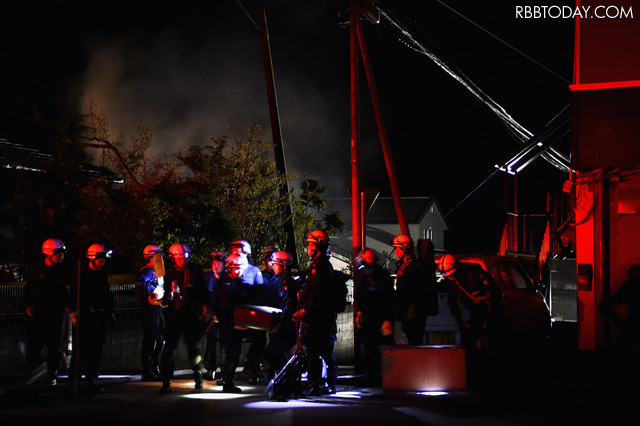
[
  {"x": 383, "y": 209},
  {"x": 15, "y": 156}
]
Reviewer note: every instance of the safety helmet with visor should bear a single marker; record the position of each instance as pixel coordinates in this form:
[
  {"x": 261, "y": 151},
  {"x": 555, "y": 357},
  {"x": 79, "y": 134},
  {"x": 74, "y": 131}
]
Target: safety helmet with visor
[
  {"x": 179, "y": 250},
  {"x": 366, "y": 257},
  {"x": 318, "y": 241},
  {"x": 219, "y": 256},
  {"x": 242, "y": 244},
  {"x": 151, "y": 250},
  {"x": 98, "y": 251},
  {"x": 53, "y": 246},
  {"x": 448, "y": 265}
]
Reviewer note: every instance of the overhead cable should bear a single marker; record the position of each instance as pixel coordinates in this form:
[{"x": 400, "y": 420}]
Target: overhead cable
[
  {"x": 504, "y": 42},
  {"x": 519, "y": 132}
]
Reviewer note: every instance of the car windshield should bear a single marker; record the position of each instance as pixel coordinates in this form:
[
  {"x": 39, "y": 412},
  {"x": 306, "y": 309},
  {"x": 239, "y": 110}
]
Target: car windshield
[{"x": 510, "y": 276}]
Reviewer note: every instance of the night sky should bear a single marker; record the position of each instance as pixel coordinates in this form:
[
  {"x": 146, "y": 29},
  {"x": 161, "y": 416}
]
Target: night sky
[{"x": 192, "y": 71}]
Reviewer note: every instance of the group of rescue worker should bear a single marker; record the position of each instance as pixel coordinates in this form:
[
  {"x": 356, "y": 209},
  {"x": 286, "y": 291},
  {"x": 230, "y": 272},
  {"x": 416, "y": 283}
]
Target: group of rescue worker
[
  {"x": 190, "y": 303},
  {"x": 186, "y": 302}
]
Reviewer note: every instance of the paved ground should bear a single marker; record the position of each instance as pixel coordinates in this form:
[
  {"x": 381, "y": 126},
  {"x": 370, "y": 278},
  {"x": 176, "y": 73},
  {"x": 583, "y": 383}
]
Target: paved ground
[
  {"x": 540, "y": 389},
  {"x": 554, "y": 385}
]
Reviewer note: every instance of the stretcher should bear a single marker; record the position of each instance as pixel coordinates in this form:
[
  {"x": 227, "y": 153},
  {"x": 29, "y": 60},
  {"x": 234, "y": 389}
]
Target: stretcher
[{"x": 288, "y": 382}]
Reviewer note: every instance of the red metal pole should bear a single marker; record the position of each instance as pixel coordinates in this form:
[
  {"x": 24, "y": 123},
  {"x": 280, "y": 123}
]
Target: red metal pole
[
  {"x": 382, "y": 131},
  {"x": 75, "y": 349},
  {"x": 356, "y": 209}
]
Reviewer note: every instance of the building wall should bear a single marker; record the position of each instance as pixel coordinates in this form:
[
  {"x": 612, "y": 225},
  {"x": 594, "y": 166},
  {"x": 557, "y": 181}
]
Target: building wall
[
  {"x": 606, "y": 156},
  {"x": 585, "y": 254},
  {"x": 608, "y": 238}
]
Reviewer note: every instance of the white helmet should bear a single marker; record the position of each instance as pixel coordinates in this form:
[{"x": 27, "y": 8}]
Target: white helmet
[
  {"x": 97, "y": 251},
  {"x": 245, "y": 246},
  {"x": 53, "y": 246},
  {"x": 236, "y": 261}
]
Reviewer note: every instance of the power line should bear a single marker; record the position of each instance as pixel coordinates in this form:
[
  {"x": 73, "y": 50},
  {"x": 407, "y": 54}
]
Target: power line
[
  {"x": 249, "y": 16},
  {"x": 504, "y": 42},
  {"x": 520, "y": 133},
  {"x": 471, "y": 193}
]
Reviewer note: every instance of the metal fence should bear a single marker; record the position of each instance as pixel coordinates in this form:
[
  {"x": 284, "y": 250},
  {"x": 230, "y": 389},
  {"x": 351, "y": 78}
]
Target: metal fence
[
  {"x": 12, "y": 300},
  {"x": 122, "y": 348},
  {"x": 12, "y": 303}
]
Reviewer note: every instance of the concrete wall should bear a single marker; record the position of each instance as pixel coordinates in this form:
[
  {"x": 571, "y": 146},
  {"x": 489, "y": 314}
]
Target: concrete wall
[{"x": 122, "y": 348}]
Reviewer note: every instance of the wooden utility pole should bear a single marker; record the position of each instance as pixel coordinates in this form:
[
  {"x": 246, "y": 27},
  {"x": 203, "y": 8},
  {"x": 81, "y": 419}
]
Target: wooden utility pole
[{"x": 276, "y": 131}]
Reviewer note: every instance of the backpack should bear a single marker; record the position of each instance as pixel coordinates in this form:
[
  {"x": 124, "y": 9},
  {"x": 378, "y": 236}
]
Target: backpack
[
  {"x": 430, "y": 293},
  {"x": 340, "y": 291}
]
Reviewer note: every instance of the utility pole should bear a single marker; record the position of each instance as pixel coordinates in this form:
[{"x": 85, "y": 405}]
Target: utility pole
[
  {"x": 356, "y": 203},
  {"x": 276, "y": 131},
  {"x": 382, "y": 133}
]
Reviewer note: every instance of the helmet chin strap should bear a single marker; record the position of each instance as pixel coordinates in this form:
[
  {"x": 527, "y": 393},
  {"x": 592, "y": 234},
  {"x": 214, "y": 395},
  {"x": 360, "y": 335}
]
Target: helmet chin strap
[
  {"x": 92, "y": 264},
  {"x": 406, "y": 252}
]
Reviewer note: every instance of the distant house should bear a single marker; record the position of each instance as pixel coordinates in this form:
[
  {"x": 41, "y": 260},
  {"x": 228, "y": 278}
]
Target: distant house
[{"x": 423, "y": 217}]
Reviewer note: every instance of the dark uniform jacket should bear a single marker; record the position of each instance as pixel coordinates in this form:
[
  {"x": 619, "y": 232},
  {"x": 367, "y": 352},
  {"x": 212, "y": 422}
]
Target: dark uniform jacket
[
  {"x": 374, "y": 296},
  {"x": 47, "y": 287},
  {"x": 316, "y": 298},
  {"x": 411, "y": 290},
  {"x": 191, "y": 294},
  {"x": 95, "y": 297}
]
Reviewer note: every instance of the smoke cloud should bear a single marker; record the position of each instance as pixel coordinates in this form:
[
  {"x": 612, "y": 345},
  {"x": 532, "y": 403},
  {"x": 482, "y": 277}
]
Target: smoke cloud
[{"x": 191, "y": 87}]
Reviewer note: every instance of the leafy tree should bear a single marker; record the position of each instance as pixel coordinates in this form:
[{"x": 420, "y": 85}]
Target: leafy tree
[
  {"x": 203, "y": 196},
  {"x": 310, "y": 213},
  {"x": 207, "y": 196}
]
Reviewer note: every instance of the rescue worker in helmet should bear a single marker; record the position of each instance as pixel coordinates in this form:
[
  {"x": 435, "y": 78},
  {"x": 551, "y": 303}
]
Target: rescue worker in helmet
[
  {"x": 186, "y": 297},
  {"x": 150, "y": 290},
  {"x": 480, "y": 295},
  {"x": 411, "y": 291},
  {"x": 92, "y": 312},
  {"x": 269, "y": 294},
  {"x": 213, "y": 279},
  {"x": 252, "y": 276},
  {"x": 251, "y": 273},
  {"x": 232, "y": 291},
  {"x": 283, "y": 334},
  {"x": 375, "y": 311},
  {"x": 46, "y": 295},
  {"x": 316, "y": 311}
]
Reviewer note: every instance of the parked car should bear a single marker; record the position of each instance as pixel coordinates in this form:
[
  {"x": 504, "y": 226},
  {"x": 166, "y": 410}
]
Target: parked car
[{"x": 526, "y": 312}]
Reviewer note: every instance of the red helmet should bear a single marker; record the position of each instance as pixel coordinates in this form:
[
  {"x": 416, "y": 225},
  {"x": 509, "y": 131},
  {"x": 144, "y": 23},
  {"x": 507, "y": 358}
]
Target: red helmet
[
  {"x": 179, "y": 250},
  {"x": 402, "y": 241},
  {"x": 366, "y": 257},
  {"x": 282, "y": 258},
  {"x": 97, "y": 251},
  {"x": 151, "y": 250},
  {"x": 267, "y": 255},
  {"x": 53, "y": 246},
  {"x": 318, "y": 236},
  {"x": 219, "y": 255},
  {"x": 448, "y": 265}
]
